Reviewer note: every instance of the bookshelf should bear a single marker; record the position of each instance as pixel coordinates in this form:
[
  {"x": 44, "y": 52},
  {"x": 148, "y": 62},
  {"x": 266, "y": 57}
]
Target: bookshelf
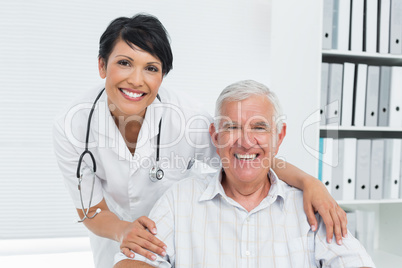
[
  {"x": 387, "y": 241},
  {"x": 296, "y": 77}
]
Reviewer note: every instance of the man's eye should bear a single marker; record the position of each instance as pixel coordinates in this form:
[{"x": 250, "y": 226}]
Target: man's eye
[
  {"x": 233, "y": 128},
  {"x": 152, "y": 69},
  {"x": 123, "y": 63}
]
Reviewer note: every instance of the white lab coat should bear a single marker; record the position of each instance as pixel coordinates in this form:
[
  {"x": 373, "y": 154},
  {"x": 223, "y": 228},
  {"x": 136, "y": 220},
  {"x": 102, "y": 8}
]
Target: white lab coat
[{"x": 122, "y": 178}]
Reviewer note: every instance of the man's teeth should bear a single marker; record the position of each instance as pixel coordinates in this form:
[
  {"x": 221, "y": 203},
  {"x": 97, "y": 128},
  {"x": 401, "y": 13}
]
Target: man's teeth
[
  {"x": 132, "y": 94},
  {"x": 246, "y": 156}
]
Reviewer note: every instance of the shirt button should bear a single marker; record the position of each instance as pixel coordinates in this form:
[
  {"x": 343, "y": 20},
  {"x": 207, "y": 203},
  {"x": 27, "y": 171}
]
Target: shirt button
[
  {"x": 247, "y": 253},
  {"x": 248, "y": 219}
]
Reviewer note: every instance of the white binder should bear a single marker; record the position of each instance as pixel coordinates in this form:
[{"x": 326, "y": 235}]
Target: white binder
[
  {"x": 356, "y": 42},
  {"x": 337, "y": 188},
  {"x": 392, "y": 169},
  {"x": 395, "y": 34},
  {"x": 324, "y": 92},
  {"x": 377, "y": 169},
  {"x": 373, "y": 83},
  {"x": 341, "y": 25},
  {"x": 349, "y": 168},
  {"x": 383, "y": 35},
  {"x": 328, "y": 161},
  {"x": 347, "y": 94},
  {"x": 370, "y": 42},
  {"x": 334, "y": 93},
  {"x": 360, "y": 99},
  {"x": 351, "y": 225},
  {"x": 363, "y": 155},
  {"x": 327, "y": 24},
  {"x": 383, "y": 105},
  {"x": 400, "y": 177},
  {"x": 395, "y": 103}
]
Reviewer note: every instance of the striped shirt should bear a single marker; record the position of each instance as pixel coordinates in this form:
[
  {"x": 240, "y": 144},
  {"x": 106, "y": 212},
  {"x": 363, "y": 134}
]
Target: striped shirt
[{"x": 203, "y": 227}]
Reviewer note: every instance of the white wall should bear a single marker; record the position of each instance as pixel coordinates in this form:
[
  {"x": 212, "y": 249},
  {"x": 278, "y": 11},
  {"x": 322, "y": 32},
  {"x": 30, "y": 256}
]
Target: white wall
[
  {"x": 295, "y": 73},
  {"x": 48, "y": 55}
]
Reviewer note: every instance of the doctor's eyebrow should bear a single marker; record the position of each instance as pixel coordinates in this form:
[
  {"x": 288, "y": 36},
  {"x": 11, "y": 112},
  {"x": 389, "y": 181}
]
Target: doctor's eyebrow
[{"x": 125, "y": 56}]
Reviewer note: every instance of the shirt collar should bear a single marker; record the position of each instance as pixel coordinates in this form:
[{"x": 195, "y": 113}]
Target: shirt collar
[{"x": 276, "y": 192}]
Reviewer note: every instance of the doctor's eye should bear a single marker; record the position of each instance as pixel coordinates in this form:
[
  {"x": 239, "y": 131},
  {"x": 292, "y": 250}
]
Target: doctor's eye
[
  {"x": 152, "y": 69},
  {"x": 123, "y": 62}
]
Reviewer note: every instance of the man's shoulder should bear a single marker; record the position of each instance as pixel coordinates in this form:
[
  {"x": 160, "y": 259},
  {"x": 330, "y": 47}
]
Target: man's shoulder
[{"x": 194, "y": 185}]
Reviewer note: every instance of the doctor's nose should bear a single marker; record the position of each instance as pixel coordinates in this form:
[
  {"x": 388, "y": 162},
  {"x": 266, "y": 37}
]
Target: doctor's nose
[{"x": 136, "y": 78}]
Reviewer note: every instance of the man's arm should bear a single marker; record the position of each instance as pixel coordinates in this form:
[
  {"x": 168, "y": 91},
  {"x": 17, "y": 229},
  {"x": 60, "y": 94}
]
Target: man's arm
[
  {"x": 350, "y": 254},
  {"x": 131, "y": 264},
  {"x": 315, "y": 198}
]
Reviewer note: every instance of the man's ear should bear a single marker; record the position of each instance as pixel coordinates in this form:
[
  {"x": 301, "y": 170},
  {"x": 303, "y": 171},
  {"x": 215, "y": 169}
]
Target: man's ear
[
  {"x": 214, "y": 134},
  {"x": 102, "y": 68},
  {"x": 281, "y": 136}
]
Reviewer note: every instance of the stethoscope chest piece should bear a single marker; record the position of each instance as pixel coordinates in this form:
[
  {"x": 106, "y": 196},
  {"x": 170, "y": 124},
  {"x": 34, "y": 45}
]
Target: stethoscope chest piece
[{"x": 156, "y": 174}]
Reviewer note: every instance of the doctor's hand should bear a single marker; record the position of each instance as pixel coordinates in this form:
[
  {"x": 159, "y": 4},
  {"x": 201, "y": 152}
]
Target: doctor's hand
[
  {"x": 316, "y": 198},
  {"x": 137, "y": 238}
]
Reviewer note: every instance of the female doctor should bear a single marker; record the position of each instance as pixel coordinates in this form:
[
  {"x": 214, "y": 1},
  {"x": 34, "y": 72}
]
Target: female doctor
[{"x": 138, "y": 139}]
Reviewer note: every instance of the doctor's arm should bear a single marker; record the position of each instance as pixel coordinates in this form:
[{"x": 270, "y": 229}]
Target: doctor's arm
[
  {"x": 315, "y": 198},
  {"x": 130, "y": 235}
]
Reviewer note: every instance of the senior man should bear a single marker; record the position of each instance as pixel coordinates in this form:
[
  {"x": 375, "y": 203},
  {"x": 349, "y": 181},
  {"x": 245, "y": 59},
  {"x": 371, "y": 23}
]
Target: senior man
[{"x": 243, "y": 216}]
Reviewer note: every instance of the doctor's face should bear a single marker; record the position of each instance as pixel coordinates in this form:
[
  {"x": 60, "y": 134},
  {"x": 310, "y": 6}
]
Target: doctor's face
[
  {"x": 133, "y": 77},
  {"x": 247, "y": 139}
]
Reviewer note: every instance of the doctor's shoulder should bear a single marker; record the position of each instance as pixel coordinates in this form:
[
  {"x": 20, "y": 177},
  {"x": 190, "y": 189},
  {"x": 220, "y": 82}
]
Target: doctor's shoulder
[{"x": 73, "y": 118}]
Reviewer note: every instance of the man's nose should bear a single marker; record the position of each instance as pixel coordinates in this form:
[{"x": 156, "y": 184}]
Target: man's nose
[{"x": 247, "y": 139}]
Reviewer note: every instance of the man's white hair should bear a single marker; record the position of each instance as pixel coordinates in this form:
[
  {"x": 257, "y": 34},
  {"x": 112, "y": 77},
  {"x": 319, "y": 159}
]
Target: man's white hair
[{"x": 243, "y": 90}]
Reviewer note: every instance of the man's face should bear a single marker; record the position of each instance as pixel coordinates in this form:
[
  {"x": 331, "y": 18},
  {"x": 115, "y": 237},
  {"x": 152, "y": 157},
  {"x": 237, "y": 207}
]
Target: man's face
[{"x": 246, "y": 138}]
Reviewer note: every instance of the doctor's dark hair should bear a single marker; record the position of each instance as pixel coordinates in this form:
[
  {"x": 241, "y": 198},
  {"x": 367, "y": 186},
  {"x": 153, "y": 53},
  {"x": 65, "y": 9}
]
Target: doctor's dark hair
[{"x": 142, "y": 30}]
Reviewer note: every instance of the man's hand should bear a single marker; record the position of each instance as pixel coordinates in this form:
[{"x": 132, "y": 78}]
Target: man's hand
[
  {"x": 317, "y": 199},
  {"x": 137, "y": 238}
]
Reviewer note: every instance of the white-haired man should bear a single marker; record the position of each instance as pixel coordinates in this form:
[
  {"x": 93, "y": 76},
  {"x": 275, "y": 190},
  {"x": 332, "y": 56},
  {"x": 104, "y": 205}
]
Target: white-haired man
[{"x": 243, "y": 216}]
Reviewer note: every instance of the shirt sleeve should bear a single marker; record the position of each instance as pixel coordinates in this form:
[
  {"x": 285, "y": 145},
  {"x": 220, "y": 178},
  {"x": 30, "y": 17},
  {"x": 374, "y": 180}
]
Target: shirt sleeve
[
  {"x": 350, "y": 254},
  {"x": 163, "y": 215},
  {"x": 67, "y": 156}
]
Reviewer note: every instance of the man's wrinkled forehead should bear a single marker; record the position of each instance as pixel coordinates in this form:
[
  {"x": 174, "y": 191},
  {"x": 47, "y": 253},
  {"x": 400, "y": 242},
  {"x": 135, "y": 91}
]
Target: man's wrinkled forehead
[{"x": 236, "y": 112}]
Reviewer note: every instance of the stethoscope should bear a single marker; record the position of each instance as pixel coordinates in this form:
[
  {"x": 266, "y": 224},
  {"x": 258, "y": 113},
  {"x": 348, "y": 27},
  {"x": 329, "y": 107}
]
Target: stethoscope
[{"x": 155, "y": 173}]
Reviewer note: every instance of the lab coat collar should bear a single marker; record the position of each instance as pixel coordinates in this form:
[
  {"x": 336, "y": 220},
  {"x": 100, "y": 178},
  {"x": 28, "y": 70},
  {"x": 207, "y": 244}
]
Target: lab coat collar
[
  {"x": 107, "y": 133},
  {"x": 102, "y": 121}
]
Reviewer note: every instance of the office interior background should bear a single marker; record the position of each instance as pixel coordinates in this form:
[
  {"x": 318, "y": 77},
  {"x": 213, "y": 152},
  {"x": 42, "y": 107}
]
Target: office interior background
[{"x": 48, "y": 57}]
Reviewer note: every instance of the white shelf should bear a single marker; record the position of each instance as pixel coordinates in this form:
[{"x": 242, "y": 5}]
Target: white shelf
[
  {"x": 352, "y": 128},
  {"x": 335, "y": 56},
  {"x": 339, "y": 132},
  {"x": 369, "y": 202}
]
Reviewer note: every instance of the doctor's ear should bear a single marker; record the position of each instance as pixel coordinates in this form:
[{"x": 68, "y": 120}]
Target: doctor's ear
[
  {"x": 214, "y": 134},
  {"x": 102, "y": 67}
]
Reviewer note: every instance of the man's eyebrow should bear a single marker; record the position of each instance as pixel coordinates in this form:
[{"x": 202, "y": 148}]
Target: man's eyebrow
[
  {"x": 229, "y": 123},
  {"x": 261, "y": 124}
]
